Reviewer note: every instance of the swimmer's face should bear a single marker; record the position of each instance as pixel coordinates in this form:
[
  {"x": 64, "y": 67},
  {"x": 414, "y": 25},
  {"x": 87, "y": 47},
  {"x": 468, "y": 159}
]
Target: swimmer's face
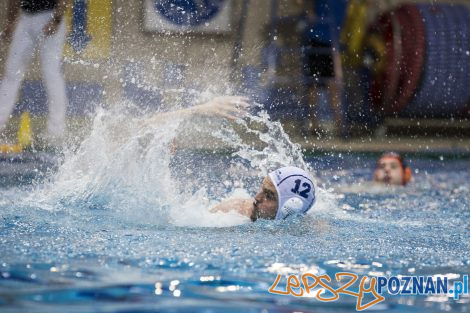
[
  {"x": 265, "y": 202},
  {"x": 389, "y": 171}
]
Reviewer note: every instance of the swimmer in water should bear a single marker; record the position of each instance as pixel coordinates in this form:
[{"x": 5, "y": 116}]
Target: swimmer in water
[
  {"x": 392, "y": 170},
  {"x": 284, "y": 192}
]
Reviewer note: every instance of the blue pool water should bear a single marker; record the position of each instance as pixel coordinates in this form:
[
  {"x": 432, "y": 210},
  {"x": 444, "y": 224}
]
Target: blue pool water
[{"x": 113, "y": 234}]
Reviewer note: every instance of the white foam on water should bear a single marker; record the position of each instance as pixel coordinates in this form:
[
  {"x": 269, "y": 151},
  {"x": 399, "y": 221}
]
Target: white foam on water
[{"x": 196, "y": 212}]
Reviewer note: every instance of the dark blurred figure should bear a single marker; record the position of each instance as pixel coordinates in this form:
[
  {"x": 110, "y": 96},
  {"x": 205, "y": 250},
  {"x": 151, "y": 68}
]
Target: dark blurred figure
[
  {"x": 321, "y": 62},
  {"x": 32, "y": 24}
]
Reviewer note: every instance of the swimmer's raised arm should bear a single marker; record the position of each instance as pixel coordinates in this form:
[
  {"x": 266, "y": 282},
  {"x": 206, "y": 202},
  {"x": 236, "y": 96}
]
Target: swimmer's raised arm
[{"x": 229, "y": 107}]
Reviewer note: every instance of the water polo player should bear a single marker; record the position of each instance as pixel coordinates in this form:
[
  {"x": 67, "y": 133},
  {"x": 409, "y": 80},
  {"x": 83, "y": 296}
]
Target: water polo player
[
  {"x": 392, "y": 170},
  {"x": 284, "y": 192}
]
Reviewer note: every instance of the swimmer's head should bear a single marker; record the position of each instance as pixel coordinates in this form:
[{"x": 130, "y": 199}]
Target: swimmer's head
[
  {"x": 284, "y": 192},
  {"x": 392, "y": 170}
]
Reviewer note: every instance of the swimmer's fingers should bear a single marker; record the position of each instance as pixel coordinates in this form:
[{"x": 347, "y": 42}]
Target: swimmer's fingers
[
  {"x": 234, "y": 112},
  {"x": 230, "y": 107},
  {"x": 237, "y": 101},
  {"x": 240, "y": 104},
  {"x": 230, "y": 113},
  {"x": 236, "y": 105}
]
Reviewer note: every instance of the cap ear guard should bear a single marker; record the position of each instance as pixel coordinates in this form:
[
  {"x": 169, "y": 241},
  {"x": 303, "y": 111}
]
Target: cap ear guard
[
  {"x": 295, "y": 190},
  {"x": 292, "y": 206}
]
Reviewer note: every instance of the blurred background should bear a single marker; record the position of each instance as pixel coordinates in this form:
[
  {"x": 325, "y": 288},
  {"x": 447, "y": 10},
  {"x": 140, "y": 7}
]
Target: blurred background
[{"x": 357, "y": 74}]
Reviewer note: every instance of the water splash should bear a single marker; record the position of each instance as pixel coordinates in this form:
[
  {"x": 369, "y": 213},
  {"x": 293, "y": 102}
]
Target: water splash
[
  {"x": 119, "y": 166},
  {"x": 124, "y": 166}
]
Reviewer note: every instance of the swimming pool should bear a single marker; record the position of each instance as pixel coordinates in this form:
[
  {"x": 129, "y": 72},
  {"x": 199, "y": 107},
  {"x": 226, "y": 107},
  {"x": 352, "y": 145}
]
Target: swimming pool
[{"x": 135, "y": 236}]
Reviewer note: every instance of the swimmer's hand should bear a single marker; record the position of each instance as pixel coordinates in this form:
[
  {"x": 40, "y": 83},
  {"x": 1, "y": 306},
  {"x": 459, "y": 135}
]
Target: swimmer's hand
[{"x": 229, "y": 107}]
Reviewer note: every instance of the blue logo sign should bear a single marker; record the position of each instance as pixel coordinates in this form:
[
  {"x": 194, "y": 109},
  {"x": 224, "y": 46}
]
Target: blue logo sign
[{"x": 189, "y": 12}]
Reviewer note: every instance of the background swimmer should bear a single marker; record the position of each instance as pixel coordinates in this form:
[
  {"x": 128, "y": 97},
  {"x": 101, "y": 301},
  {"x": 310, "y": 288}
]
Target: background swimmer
[
  {"x": 392, "y": 170},
  {"x": 390, "y": 175},
  {"x": 284, "y": 192}
]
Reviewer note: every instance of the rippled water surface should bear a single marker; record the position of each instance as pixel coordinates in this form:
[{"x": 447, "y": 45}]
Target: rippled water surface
[
  {"x": 124, "y": 226},
  {"x": 93, "y": 257}
]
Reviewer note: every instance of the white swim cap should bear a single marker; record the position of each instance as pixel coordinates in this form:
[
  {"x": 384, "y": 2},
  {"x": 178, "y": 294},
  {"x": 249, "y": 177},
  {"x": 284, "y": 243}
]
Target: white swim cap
[{"x": 295, "y": 190}]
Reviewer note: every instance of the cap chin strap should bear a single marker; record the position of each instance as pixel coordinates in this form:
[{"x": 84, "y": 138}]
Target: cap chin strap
[{"x": 292, "y": 206}]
